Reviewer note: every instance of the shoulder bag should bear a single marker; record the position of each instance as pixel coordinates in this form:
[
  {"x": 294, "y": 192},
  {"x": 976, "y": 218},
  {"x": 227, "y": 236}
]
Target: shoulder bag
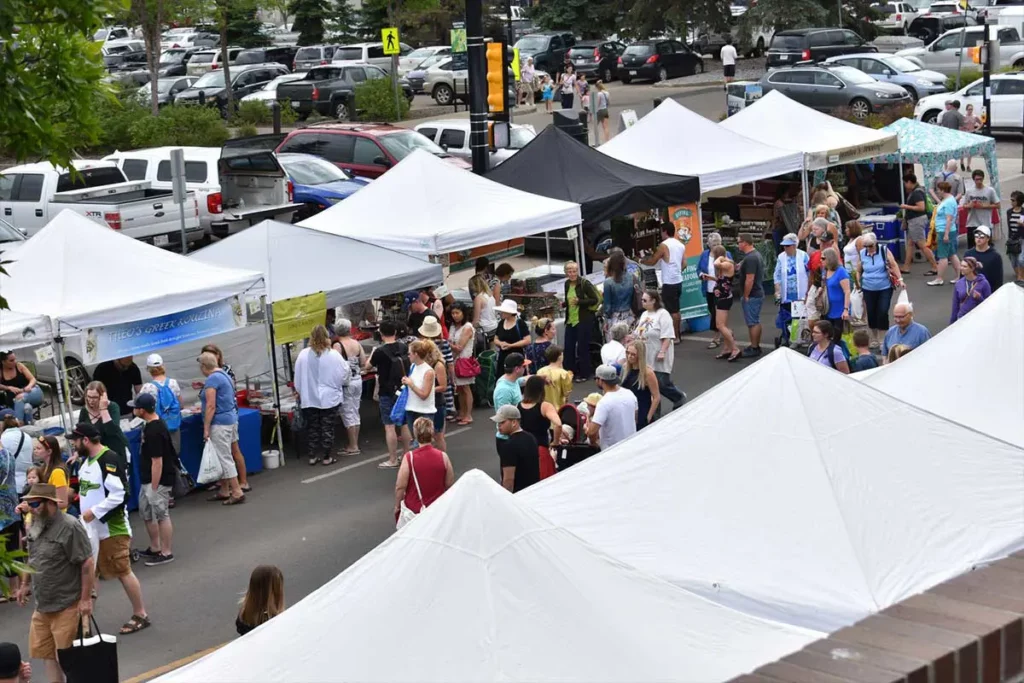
[{"x": 405, "y": 515}]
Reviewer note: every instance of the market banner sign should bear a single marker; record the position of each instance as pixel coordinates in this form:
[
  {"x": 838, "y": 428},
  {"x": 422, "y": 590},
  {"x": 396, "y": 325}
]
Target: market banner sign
[
  {"x": 295, "y": 317},
  {"x": 129, "y": 339},
  {"x": 686, "y": 218}
]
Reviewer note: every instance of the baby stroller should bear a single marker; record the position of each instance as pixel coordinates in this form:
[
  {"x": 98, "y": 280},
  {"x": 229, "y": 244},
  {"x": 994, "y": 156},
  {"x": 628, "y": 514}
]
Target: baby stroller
[{"x": 578, "y": 448}]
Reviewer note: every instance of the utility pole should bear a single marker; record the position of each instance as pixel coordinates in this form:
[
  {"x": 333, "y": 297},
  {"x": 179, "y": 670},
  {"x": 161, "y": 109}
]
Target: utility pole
[
  {"x": 986, "y": 82},
  {"x": 477, "y": 85},
  {"x": 510, "y": 39}
]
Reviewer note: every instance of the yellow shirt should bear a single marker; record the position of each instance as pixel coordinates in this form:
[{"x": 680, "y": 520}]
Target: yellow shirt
[
  {"x": 58, "y": 478},
  {"x": 559, "y": 385}
]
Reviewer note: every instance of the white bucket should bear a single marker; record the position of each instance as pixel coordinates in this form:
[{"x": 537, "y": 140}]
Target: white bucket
[{"x": 271, "y": 460}]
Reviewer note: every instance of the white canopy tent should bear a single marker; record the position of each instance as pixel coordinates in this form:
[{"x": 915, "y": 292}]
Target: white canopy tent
[
  {"x": 791, "y": 492},
  {"x": 488, "y": 590},
  {"x": 298, "y": 260},
  {"x": 18, "y": 330},
  {"x": 673, "y": 139},
  {"x": 454, "y": 210},
  {"x": 825, "y": 140},
  {"x": 981, "y": 384}
]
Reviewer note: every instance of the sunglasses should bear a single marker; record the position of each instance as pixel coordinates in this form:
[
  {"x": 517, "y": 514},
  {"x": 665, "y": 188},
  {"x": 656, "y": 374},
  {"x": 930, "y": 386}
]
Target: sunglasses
[
  {"x": 980, "y": 234},
  {"x": 34, "y": 504}
]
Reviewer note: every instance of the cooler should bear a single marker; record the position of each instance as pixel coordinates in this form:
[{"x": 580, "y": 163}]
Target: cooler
[
  {"x": 895, "y": 247},
  {"x": 886, "y": 226}
]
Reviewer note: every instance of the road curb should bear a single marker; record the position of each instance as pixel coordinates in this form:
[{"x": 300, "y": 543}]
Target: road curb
[{"x": 690, "y": 86}]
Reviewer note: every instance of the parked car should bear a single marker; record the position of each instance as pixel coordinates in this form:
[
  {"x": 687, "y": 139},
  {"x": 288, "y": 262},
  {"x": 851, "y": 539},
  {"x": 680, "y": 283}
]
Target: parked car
[
  {"x": 658, "y": 60},
  {"x": 547, "y": 49},
  {"x": 32, "y": 195},
  {"x": 452, "y": 135},
  {"x": 896, "y": 16},
  {"x": 330, "y": 90},
  {"x": 597, "y": 58},
  {"x": 318, "y": 183},
  {"x": 993, "y": 9},
  {"x": 10, "y": 235},
  {"x": 367, "y": 53},
  {"x": 205, "y": 61},
  {"x": 928, "y": 27},
  {"x": 366, "y": 150},
  {"x": 419, "y": 56},
  {"x": 125, "y": 60},
  {"x": 268, "y": 93},
  {"x": 417, "y": 77},
  {"x": 313, "y": 55},
  {"x": 944, "y": 55},
  {"x": 952, "y": 7},
  {"x": 206, "y": 39},
  {"x": 177, "y": 37},
  {"x": 111, "y": 33},
  {"x": 1006, "y": 104},
  {"x": 280, "y": 54},
  {"x": 235, "y": 186},
  {"x": 166, "y": 89},
  {"x": 826, "y": 88},
  {"x": 244, "y": 80},
  {"x": 446, "y": 85},
  {"x": 174, "y": 61},
  {"x": 916, "y": 81},
  {"x": 114, "y": 47},
  {"x": 814, "y": 45}
]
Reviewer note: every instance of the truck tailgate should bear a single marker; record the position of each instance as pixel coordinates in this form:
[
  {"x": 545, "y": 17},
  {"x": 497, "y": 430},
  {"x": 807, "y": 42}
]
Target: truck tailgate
[
  {"x": 143, "y": 219},
  {"x": 296, "y": 91}
]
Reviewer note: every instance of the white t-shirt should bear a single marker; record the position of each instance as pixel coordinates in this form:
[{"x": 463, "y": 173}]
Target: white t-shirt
[
  {"x": 415, "y": 403},
  {"x": 616, "y": 414},
  {"x": 150, "y": 388},
  {"x": 10, "y": 440},
  {"x": 672, "y": 270},
  {"x": 728, "y": 55},
  {"x": 652, "y": 328},
  {"x": 613, "y": 353},
  {"x": 488, "y": 321}
]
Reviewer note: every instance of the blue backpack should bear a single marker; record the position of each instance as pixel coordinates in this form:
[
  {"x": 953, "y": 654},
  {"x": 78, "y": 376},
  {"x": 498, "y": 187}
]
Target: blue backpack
[{"x": 167, "y": 405}]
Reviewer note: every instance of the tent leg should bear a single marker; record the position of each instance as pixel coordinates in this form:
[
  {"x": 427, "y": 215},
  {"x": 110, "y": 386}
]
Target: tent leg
[
  {"x": 547, "y": 248},
  {"x": 63, "y": 399},
  {"x": 268, "y": 324},
  {"x": 583, "y": 252},
  {"x": 805, "y": 188}
]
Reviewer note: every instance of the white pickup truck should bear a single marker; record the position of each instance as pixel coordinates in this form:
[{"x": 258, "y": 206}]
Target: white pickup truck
[
  {"x": 33, "y": 194},
  {"x": 944, "y": 56}
]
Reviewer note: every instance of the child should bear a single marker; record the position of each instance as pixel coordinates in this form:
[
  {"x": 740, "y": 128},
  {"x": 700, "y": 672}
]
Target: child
[
  {"x": 864, "y": 360},
  {"x": 33, "y": 476},
  {"x": 263, "y": 601},
  {"x": 811, "y": 314},
  {"x": 547, "y": 90},
  {"x": 1015, "y": 233},
  {"x": 559, "y": 380}
]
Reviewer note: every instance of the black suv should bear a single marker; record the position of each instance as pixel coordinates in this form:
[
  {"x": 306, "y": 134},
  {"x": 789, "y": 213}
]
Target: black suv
[
  {"x": 547, "y": 49},
  {"x": 928, "y": 27},
  {"x": 280, "y": 54},
  {"x": 597, "y": 58},
  {"x": 813, "y": 45}
]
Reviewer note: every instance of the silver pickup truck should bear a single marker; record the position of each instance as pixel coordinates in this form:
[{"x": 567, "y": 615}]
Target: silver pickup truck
[
  {"x": 944, "y": 56},
  {"x": 33, "y": 194}
]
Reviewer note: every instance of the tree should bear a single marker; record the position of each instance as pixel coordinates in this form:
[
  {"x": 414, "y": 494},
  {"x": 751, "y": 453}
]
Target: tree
[
  {"x": 344, "y": 21},
  {"x": 149, "y": 15},
  {"x": 587, "y": 18},
  {"x": 675, "y": 17},
  {"x": 49, "y": 64},
  {"x": 279, "y": 6},
  {"x": 310, "y": 16}
]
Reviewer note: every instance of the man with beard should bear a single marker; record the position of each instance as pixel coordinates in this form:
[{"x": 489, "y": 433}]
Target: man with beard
[{"x": 61, "y": 557}]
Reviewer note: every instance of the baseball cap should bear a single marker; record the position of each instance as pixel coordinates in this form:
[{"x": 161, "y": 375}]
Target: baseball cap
[
  {"x": 984, "y": 230},
  {"x": 84, "y": 430},
  {"x": 513, "y": 361},
  {"x": 10, "y": 660},
  {"x": 593, "y": 399},
  {"x": 154, "y": 360},
  {"x": 606, "y": 373},
  {"x": 6, "y": 412},
  {"x": 506, "y": 412},
  {"x": 790, "y": 240},
  {"x": 144, "y": 401}
]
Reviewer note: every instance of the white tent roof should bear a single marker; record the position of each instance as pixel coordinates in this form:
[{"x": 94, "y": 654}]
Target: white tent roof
[
  {"x": 297, "y": 261},
  {"x": 85, "y": 275},
  {"x": 673, "y": 139},
  {"x": 448, "y": 209},
  {"x": 487, "y": 590},
  {"x": 826, "y": 140},
  {"x": 22, "y": 329},
  {"x": 981, "y": 383},
  {"x": 793, "y": 492}
]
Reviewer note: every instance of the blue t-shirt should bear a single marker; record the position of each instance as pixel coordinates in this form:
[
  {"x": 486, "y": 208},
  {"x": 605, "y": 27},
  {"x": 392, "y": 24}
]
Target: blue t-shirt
[
  {"x": 946, "y": 216},
  {"x": 506, "y": 393},
  {"x": 876, "y": 275},
  {"x": 224, "y": 413},
  {"x": 860, "y": 363},
  {"x": 915, "y": 335},
  {"x": 836, "y": 299},
  {"x": 791, "y": 288}
]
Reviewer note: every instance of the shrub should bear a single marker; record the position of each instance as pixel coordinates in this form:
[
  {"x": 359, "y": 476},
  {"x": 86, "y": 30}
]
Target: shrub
[
  {"x": 246, "y": 130},
  {"x": 375, "y": 101},
  {"x": 183, "y": 125},
  {"x": 253, "y": 113},
  {"x": 967, "y": 76},
  {"x": 876, "y": 121}
]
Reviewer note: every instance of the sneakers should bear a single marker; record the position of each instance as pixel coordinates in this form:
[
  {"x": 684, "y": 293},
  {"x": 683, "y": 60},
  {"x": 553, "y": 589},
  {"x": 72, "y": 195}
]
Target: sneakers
[
  {"x": 158, "y": 560},
  {"x": 751, "y": 352},
  {"x": 149, "y": 552}
]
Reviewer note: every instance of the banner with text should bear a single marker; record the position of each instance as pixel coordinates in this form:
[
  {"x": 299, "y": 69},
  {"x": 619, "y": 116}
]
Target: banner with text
[
  {"x": 686, "y": 218},
  {"x": 295, "y": 317},
  {"x": 142, "y": 336}
]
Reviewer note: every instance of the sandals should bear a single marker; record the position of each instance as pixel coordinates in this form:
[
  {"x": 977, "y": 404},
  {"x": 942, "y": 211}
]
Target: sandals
[
  {"x": 722, "y": 356},
  {"x": 234, "y": 501},
  {"x": 247, "y": 488},
  {"x": 714, "y": 344},
  {"x": 735, "y": 356},
  {"x": 348, "y": 452},
  {"x": 313, "y": 462},
  {"x": 388, "y": 466},
  {"x": 465, "y": 422},
  {"x": 135, "y": 624},
  {"x": 214, "y": 499},
  {"x": 327, "y": 462}
]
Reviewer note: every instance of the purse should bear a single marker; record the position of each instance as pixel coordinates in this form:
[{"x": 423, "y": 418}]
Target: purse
[
  {"x": 405, "y": 515},
  {"x": 183, "y": 483},
  {"x": 92, "y": 659},
  {"x": 467, "y": 367}
]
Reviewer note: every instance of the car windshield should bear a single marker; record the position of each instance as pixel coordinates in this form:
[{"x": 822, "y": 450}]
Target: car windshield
[
  {"x": 900, "y": 64},
  {"x": 532, "y": 44},
  {"x": 885, "y": 9},
  {"x": 172, "y": 57},
  {"x": 582, "y": 51},
  {"x": 639, "y": 50},
  {"x": 404, "y": 143},
  {"x": 520, "y": 137},
  {"x": 213, "y": 79},
  {"x": 250, "y": 57},
  {"x": 8, "y": 233},
  {"x": 202, "y": 58},
  {"x": 308, "y": 53},
  {"x": 853, "y": 76},
  {"x": 788, "y": 42},
  {"x": 163, "y": 85},
  {"x": 421, "y": 53},
  {"x": 312, "y": 171},
  {"x": 348, "y": 53},
  {"x": 431, "y": 61}
]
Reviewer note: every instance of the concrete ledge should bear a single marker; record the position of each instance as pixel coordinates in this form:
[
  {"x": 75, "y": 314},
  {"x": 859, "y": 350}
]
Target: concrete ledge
[{"x": 719, "y": 83}]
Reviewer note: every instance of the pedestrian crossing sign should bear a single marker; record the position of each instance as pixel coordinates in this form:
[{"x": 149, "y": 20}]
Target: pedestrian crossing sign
[{"x": 389, "y": 37}]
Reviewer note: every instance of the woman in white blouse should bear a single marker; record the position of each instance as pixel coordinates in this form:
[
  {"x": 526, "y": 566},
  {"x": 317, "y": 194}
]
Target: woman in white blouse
[
  {"x": 656, "y": 328},
  {"x": 321, "y": 375}
]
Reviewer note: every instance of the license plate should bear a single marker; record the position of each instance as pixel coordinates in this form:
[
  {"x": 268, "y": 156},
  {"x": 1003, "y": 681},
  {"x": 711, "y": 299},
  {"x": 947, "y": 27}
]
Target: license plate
[
  {"x": 161, "y": 241},
  {"x": 580, "y": 60},
  {"x": 783, "y": 58},
  {"x": 295, "y": 104},
  {"x": 632, "y": 73}
]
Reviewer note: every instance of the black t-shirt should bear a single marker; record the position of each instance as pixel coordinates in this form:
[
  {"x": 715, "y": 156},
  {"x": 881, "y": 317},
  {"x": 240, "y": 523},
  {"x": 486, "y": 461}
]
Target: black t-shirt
[
  {"x": 991, "y": 265},
  {"x": 520, "y": 451},
  {"x": 156, "y": 444},
  {"x": 119, "y": 383},
  {"x": 517, "y": 333},
  {"x": 916, "y": 196},
  {"x": 752, "y": 263},
  {"x": 382, "y": 358},
  {"x": 415, "y": 320}
]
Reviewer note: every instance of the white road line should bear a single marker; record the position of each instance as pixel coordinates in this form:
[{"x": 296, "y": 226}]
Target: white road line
[
  {"x": 367, "y": 461},
  {"x": 706, "y": 340}
]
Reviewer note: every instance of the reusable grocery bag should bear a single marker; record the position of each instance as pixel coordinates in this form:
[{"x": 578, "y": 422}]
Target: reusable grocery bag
[{"x": 92, "y": 659}]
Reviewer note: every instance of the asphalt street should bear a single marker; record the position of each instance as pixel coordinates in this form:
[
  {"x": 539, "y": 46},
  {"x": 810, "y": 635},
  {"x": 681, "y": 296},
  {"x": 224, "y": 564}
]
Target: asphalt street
[{"x": 313, "y": 522}]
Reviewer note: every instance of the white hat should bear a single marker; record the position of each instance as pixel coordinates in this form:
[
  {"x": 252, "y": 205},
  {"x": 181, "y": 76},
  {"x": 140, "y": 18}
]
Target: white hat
[
  {"x": 985, "y": 230},
  {"x": 508, "y": 306},
  {"x": 154, "y": 360}
]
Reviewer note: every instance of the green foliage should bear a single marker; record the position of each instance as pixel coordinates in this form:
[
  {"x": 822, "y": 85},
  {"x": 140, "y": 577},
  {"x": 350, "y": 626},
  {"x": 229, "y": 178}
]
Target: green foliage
[
  {"x": 310, "y": 16},
  {"x": 967, "y": 76},
  {"x": 375, "y": 101},
  {"x": 342, "y": 23},
  {"x": 781, "y": 14},
  {"x": 655, "y": 17},
  {"x": 48, "y": 64},
  {"x": 252, "y": 113},
  {"x": 243, "y": 25},
  {"x": 246, "y": 130},
  {"x": 183, "y": 125},
  {"x": 876, "y": 121},
  {"x": 587, "y": 18}
]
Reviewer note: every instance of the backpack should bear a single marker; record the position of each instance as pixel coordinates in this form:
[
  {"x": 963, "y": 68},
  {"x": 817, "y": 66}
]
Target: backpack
[
  {"x": 829, "y": 353},
  {"x": 398, "y": 368},
  {"x": 168, "y": 407}
]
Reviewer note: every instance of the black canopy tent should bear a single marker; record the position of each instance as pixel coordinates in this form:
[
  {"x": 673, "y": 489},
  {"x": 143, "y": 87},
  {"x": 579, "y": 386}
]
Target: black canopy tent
[{"x": 556, "y": 165}]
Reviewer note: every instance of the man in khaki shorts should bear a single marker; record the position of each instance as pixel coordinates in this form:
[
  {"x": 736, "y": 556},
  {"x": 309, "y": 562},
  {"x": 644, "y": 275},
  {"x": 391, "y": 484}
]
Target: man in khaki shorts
[
  {"x": 61, "y": 557},
  {"x": 917, "y": 223}
]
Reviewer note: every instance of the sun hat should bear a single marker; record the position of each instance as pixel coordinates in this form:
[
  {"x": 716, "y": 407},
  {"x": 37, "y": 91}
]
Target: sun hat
[
  {"x": 430, "y": 328},
  {"x": 508, "y": 306}
]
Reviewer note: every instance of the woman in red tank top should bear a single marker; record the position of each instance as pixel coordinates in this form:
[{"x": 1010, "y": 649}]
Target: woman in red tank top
[{"x": 425, "y": 473}]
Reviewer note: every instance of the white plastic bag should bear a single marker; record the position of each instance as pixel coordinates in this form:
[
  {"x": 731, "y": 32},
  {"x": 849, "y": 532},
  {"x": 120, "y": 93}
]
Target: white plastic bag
[
  {"x": 210, "y": 469},
  {"x": 903, "y": 297},
  {"x": 857, "y": 305}
]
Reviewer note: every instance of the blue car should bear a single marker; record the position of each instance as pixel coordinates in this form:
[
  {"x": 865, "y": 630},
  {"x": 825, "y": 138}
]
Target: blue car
[
  {"x": 319, "y": 184},
  {"x": 916, "y": 81}
]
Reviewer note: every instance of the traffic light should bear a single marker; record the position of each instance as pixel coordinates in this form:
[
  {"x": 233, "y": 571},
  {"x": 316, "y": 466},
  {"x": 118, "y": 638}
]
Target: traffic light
[
  {"x": 496, "y": 78},
  {"x": 974, "y": 53}
]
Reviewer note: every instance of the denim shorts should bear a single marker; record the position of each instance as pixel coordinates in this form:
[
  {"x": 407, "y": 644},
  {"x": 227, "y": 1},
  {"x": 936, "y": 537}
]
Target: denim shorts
[
  {"x": 752, "y": 310},
  {"x": 387, "y": 402}
]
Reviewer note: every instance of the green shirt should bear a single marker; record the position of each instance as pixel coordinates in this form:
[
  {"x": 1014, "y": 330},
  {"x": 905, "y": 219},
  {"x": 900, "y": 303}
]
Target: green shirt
[{"x": 572, "y": 316}]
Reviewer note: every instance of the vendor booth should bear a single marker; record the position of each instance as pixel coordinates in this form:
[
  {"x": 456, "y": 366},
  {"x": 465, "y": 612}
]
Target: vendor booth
[
  {"x": 18, "y": 330},
  {"x": 804, "y": 516},
  {"x": 495, "y": 592}
]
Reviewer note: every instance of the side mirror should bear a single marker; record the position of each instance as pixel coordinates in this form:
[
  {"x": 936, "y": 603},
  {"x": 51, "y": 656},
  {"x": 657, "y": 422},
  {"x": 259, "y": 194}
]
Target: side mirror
[
  {"x": 381, "y": 161},
  {"x": 444, "y": 146},
  {"x": 886, "y": 72}
]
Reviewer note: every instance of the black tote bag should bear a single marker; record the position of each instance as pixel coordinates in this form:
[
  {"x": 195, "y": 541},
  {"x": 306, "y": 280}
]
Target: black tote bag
[{"x": 90, "y": 660}]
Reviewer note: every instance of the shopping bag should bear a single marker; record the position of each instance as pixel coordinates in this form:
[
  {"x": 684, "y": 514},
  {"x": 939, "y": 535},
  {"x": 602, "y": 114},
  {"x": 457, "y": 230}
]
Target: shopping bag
[
  {"x": 903, "y": 298},
  {"x": 857, "y": 305},
  {"x": 398, "y": 410},
  {"x": 183, "y": 483},
  {"x": 92, "y": 659},
  {"x": 210, "y": 469}
]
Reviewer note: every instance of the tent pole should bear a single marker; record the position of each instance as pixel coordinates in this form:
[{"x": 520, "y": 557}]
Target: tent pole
[
  {"x": 576, "y": 250},
  {"x": 63, "y": 399},
  {"x": 908, "y": 243},
  {"x": 805, "y": 188},
  {"x": 268, "y": 325},
  {"x": 547, "y": 248},
  {"x": 583, "y": 251}
]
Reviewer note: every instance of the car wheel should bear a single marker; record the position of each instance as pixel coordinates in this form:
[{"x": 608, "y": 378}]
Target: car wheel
[
  {"x": 930, "y": 116},
  {"x": 78, "y": 377},
  {"x": 1019, "y": 65},
  {"x": 912, "y": 91},
  {"x": 861, "y": 108},
  {"x": 905, "y": 27},
  {"x": 341, "y": 111},
  {"x": 608, "y": 75},
  {"x": 759, "y": 50},
  {"x": 698, "y": 67},
  {"x": 662, "y": 74},
  {"x": 443, "y": 94},
  {"x": 626, "y": 80}
]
